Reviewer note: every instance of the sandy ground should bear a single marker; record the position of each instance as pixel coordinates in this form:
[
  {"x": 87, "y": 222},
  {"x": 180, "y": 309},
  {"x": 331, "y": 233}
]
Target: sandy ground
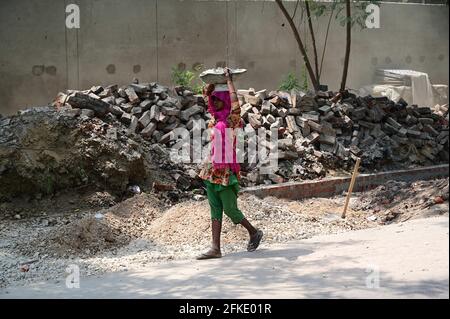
[
  {"x": 143, "y": 231},
  {"x": 404, "y": 260}
]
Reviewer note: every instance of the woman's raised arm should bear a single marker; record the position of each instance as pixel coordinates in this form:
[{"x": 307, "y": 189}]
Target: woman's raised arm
[{"x": 231, "y": 88}]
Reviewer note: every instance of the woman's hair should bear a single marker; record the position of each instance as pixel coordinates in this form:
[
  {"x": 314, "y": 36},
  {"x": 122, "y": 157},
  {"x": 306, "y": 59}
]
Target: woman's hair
[{"x": 208, "y": 89}]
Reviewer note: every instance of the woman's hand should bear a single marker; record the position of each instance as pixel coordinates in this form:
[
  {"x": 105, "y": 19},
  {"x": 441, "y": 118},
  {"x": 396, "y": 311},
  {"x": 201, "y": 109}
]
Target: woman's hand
[
  {"x": 228, "y": 74},
  {"x": 231, "y": 89}
]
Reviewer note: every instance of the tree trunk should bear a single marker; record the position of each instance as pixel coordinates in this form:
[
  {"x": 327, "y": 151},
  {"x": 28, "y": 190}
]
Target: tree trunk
[
  {"x": 313, "y": 39},
  {"x": 300, "y": 45},
  {"x": 347, "y": 45},
  {"x": 325, "y": 43}
]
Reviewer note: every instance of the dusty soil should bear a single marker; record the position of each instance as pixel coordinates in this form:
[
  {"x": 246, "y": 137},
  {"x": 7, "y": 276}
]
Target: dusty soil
[
  {"x": 400, "y": 201},
  {"x": 92, "y": 233},
  {"x": 145, "y": 229},
  {"x": 281, "y": 220},
  {"x": 44, "y": 151}
]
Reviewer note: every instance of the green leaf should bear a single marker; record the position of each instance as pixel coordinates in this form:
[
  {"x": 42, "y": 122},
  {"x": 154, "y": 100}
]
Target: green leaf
[{"x": 289, "y": 82}]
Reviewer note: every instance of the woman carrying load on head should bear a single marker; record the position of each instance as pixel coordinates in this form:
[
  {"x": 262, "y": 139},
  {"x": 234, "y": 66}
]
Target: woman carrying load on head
[{"x": 222, "y": 171}]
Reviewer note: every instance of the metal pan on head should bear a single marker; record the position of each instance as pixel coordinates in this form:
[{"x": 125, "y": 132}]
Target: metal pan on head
[{"x": 217, "y": 75}]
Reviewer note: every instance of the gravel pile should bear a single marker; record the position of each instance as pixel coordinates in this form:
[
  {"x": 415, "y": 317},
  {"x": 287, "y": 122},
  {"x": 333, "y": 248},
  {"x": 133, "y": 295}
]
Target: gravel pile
[
  {"x": 281, "y": 220},
  {"x": 91, "y": 233},
  {"x": 142, "y": 230},
  {"x": 400, "y": 201}
]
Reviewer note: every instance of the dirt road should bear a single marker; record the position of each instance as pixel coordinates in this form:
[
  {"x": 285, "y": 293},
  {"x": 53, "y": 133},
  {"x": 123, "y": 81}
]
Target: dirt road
[{"x": 406, "y": 260}]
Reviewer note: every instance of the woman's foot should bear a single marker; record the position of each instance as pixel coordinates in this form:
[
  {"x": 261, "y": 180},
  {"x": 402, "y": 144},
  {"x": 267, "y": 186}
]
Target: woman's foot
[
  {"x": 210, "y": 254},
  {"x": 255, "y": 240}
]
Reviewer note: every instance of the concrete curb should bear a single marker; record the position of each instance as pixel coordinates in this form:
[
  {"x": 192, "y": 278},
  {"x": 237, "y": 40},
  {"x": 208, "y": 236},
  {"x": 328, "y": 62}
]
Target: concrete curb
[{"x": 336, "y": 185}]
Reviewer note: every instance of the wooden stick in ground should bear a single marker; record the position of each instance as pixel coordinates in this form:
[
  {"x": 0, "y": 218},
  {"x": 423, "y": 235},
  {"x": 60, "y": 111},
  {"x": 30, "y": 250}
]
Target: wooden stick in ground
[{"x": 350, "y": 189}]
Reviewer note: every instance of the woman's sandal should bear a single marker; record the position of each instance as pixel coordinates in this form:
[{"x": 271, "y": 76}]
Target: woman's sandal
[
  {"x": 254, "y": 243},
  {"x": 210, "y": 254}
]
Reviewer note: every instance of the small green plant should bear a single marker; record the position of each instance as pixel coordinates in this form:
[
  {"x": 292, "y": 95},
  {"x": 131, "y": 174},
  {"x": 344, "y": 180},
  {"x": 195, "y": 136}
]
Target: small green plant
[
  {"x": 289, "y": 83},
  {"x": 182, "y": 77},
  {"x": 198, "y": 88},
  {"x": 187, "y": 78}
]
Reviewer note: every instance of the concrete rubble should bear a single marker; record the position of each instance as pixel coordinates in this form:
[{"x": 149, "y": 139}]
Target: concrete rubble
[{"x": 324, "y": 131}]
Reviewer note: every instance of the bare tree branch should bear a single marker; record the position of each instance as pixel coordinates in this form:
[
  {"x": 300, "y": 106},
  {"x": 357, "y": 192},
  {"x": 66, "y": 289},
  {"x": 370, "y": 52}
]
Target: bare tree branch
[
  {"x": 295, "y": 10},
  {"x": 325, "y": 42},
  {"x": 313, "y": 39},
  {"x": 300, "y": 44},
  {"x": 348, "y": 43}
]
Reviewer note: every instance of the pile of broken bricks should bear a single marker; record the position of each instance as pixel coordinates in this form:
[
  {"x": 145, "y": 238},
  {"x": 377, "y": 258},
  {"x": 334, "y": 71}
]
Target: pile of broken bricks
[
  {"x": 149, "y": 109},
  {"x": 348, "y": 126},
  {"x": 316, "y": 131}
]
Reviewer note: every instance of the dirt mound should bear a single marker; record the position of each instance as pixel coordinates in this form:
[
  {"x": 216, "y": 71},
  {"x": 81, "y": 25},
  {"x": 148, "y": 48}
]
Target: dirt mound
[
  {"x": 397, "y": 200},
  {"x": 96, "y": 232},
  {"x": 185, "y": 223},
  {"x": 89, "y": 235},
  {"x": 189, "y": 222},
  {"x": 44, "y": 151}
]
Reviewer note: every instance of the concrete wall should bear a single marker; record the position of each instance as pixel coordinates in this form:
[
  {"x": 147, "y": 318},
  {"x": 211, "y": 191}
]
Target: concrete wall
[
  {"x": 33, "y": 64},
  {"x": 411, "y": 37},
  {"x": 119, "y": 40}
]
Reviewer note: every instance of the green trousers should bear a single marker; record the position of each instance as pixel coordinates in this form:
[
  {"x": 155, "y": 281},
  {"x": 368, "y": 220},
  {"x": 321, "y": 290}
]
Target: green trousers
[{"x": 224, "y": 199}]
